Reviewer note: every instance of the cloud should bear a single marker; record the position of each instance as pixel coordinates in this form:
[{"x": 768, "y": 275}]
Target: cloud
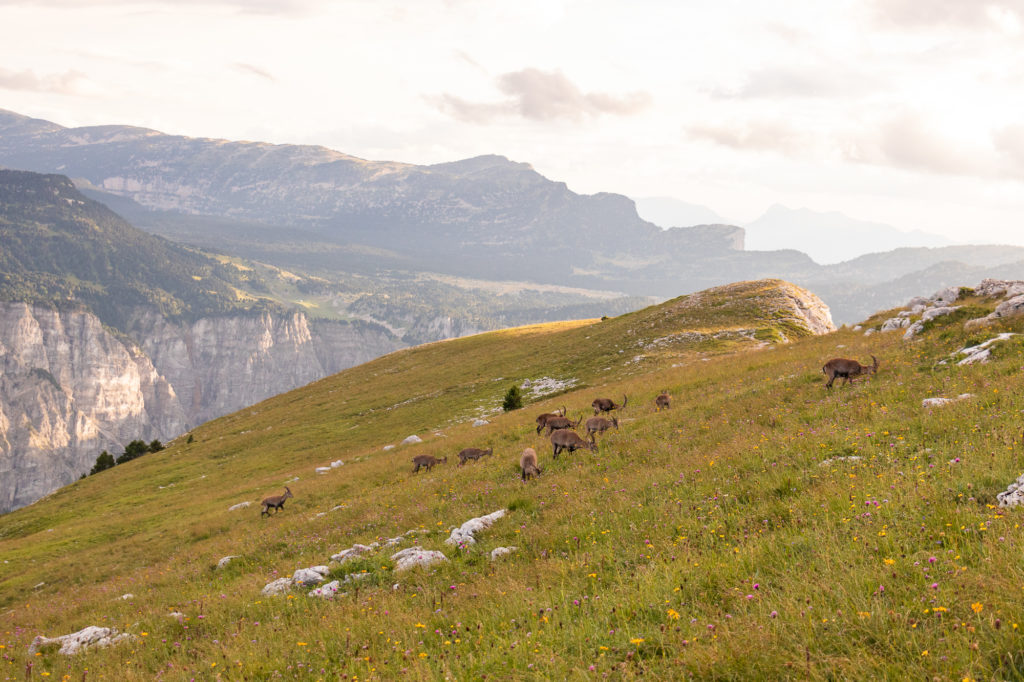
[
  {"x": 273, "y": 7},
  {"x": 62, "y": 83},
  {"x": 542, "y": 96},
  {"x": 954, "y": 13},
  {"x": 1009, "y": 142},
  {"x": 782, "y": 82},
  {"x": 754, "y": 136},
  {"x": 906, "y": 141},
  {"x": 253, "y": 70}
]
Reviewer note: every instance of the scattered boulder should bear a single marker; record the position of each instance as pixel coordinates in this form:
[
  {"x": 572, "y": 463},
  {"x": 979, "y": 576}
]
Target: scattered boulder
[
  {"x": 226, "y": 560},
  {"x": 92, "y": 636},
  {"x": 337, "y": 463},
  {"x": 833, "y": 460},
  {"x": 939, "y": 402},
  {"x": 1013, "y": 495},
  {"x": 388, "y": 447},
  {"x": 279, "y": 586},
  {"x": 982, "y": 352},
  {"x": 481, "y": 422},
  {"x": 917, "y": 301},
  {"x": 307, "y": 577},
  {"x": 463, "y": 535},
  {"x": 913, "y": 330},
  {"x": 412, "y": 439},
  {"x": 895, "y": 323},
  {"x": 1007, "y": 288},
  {"x": 323, "y": 470},
  {"x": 326, "y": 591},
  {"x": 932, "y": 313},
  {"x": 416, "y": 556},
  {"x": 499, "y": 552},
  {"x": 127, "y": 596},
  {"x": 945, "y": 296},
  {"x": 351, "y": 553},
  {"x": 240, "y": 505}
]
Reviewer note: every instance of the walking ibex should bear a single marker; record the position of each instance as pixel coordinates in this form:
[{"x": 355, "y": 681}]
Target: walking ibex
[
  {"x": 557, "y": 423},
  {"x": 597, "y": 425},
  {"x": 427, "y": 462},
  {"x": 473, "y": 453},
  {"x": 542, "y": 420},
  {"x": 607, "y": 405},
  {"x": 565, "y": 439},
  {"x": 528, "y": 464},
  {"x": 277, "y": 502},
  {"x": 663, "y": 401},
  {"x": 847, "y": 369}
]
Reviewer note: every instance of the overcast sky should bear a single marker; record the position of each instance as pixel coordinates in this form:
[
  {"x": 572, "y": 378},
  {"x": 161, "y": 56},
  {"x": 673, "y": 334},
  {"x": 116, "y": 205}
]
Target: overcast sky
[{"x": 909, "y": 112}]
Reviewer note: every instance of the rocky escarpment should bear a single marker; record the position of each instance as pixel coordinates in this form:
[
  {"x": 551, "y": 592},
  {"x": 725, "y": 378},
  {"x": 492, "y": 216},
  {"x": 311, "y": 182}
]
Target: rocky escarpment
[{"x": 71, "y": 388}]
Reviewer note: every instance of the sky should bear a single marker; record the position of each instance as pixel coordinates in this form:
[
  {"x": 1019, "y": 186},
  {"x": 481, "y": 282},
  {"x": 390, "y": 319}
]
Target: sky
[{"x": 903, "y": 112}]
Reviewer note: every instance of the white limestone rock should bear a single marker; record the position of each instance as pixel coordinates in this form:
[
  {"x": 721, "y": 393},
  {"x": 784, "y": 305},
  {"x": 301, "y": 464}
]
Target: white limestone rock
[
  {"x": 981, "y": 352},
  {"x": 894, "y": 323},
  {"x": 327, "y": 591},
  {"x": 226, "y": 560},
  {"x": 945, "y": 296},
  {"x": 499, "y": 552},
  {"x": 351, "y": 553},
  {"x": 913, "y": 330},
  {"x": 463, "y": 535},
  {"x": 480, "y": 422},
  {"x": 337, "y": 463},
  {"x": 279, "y": 586},
  {"x": 307, "y": 577},
  {"x": 412, "y": 557},
  {"x": 240, "y": 505},
  {"x": 939, "y": 402},
  {"x": 932, "y": 313},
  {"x": 411, "y": 440},
  {"x": 92, "y": 636}
]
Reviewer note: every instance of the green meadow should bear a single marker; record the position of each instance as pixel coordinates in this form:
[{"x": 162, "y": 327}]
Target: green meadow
[{"x": 763, "y": 527}]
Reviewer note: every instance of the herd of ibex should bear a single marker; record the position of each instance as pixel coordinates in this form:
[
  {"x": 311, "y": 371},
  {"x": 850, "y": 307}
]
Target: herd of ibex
[{"x": 562, "y": 430}]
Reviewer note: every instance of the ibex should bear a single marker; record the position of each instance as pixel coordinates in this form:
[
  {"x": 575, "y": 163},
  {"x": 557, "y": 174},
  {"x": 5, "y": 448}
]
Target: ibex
[
  {"x": 473, "y": 453},
  {"x": 847, "y": 369},
  {"x": 564, "y": 439},
  {"x": 556, "y": 423},
  {"x": 600, "y": 425},
  {"x": 277, "y": 502},
  {"x": 542, "y": 420},
  {"x": 606, "y": 404},
  {"x": 427, "y": 462},
  {"x": 528, "y": 463},
  {"x": 663, "y": 401}
]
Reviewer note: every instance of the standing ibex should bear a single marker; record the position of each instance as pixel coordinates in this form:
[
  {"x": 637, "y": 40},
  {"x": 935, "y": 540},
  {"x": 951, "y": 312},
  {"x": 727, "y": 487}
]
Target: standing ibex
[
  {"x": 663, "y": 401},
  {"x": 528, "y": 464},
  {"x": 556, "y": 423},
  {"x": 542, "y": 420},
  {"x": 564, "y": 439},
  {"x": 427, "y": 462},
  {"x": 473, "y": 453},
  {"x": 847, "y": 369},
  {"x": 597, "y": 425},
  {"x": 606, "y": 404},
  {"x": 277, "y": 502}
]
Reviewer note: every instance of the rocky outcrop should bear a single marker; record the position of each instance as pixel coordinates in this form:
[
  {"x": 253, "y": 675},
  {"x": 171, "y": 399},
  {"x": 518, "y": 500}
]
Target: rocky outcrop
[
  {"x": 71, "y": 388},
  {"x": 92, "y": 636}
]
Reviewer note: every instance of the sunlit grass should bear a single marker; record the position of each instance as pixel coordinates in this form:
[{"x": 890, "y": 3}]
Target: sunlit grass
[{"x": 762, "y": 527}]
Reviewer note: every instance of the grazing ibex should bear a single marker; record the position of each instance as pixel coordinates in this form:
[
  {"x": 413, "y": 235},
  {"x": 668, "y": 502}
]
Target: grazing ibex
[
  {"x": 564, "y": 439},
  {"x": 606, "y": 404},
  {"x": 528, "y": 463},
  {"x": 473, "y": 453},
  {"x": 847, "y": 369},
  {"x": 597, "y": 425},
  {"x": 556, "y": 423},
  {"x": 542, "y": 420},
  {"x": 427, "y": 462},
  {"x": 663, "y": 401},
  {"x": 277, "y": 502}
]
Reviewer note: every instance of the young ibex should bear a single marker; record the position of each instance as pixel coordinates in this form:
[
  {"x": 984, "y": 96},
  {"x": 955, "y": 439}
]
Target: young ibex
[
  {"x": 277, "y": 502},
  {"x": 847, "y": 369},
  {"x": 597, "y": 425},
  {"x": 542, "y": 420},
  {"x": 528, "y": 463},
  {"x": 563, "y": 439},
  {"x": 606, "y": 404},
  {"x": 556, "y": 423},
  {"x": 427, "y": 462},
  {"x": 473, "y": 453},
  {"x": 663, "y": 401}
]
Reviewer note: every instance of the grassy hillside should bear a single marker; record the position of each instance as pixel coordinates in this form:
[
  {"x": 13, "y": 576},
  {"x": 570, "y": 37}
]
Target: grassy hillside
[{"x": 761, "y": 528}]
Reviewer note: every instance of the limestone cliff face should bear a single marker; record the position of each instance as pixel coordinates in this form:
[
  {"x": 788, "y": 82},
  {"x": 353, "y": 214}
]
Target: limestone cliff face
[{"x": 70, "y": 388}]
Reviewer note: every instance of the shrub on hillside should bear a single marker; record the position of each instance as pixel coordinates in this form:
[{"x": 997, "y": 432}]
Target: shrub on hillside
[
  {"x": 513, "y": 399},
  {"x": 103, "y": 462}
]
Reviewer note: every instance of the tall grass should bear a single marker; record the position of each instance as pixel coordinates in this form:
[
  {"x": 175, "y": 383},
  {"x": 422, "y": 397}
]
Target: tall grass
[{"x": 762, "y": 527}]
